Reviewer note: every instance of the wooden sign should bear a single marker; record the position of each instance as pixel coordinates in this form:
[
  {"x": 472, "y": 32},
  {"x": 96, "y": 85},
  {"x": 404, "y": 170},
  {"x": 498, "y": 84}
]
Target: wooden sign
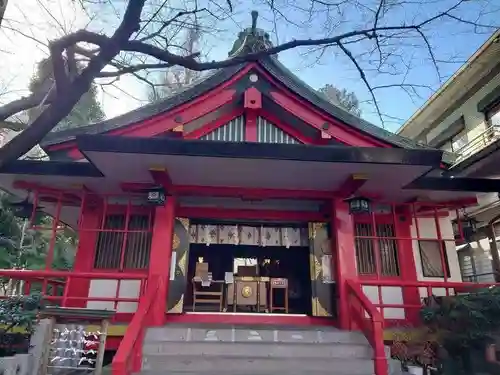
[{"x": 279, "y": 283}]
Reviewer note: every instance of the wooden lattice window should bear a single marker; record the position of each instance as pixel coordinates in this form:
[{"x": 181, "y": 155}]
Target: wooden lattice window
[
  {"x": 376, "y": 252},
  {"x": 124, "y": 244}
]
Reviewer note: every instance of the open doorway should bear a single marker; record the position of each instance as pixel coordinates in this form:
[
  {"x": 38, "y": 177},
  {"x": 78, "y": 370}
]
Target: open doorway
[{"x": 228, "y": 262}]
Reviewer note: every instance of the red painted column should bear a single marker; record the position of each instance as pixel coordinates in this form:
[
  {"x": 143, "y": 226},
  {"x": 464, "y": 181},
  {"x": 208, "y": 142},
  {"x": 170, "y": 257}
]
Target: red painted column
[
  {"x": 407, "y": 267},
  {"x": 85, "y": 254},
  {"x": 343, "y": 247},
  {"x": 161, "y": 255}
]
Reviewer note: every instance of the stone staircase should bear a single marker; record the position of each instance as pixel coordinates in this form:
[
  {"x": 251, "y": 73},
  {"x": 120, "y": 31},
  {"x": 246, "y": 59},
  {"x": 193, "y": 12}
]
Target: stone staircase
[{"x": 256, "y": 350}]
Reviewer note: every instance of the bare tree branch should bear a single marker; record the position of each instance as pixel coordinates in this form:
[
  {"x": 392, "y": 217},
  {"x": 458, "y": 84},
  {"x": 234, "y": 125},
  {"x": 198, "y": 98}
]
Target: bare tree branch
[
  {"x": 363, "y": 77},
  {"x": 144, "y": 42},
  {"x": 67, "y": 99}
]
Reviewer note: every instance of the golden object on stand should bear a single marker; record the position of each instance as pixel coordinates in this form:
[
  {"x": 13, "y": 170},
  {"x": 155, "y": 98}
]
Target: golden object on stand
[{"x": 246, "y": 291}]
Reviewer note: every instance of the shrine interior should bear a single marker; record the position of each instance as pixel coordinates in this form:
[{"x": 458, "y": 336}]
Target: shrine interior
[{"x": 220, "y": 274}]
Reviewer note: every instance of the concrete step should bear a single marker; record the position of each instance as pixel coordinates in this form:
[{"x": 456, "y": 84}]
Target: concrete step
[
  {"x": 257, "y": 366},
  {"x": 300, "y": 372},
  {"x": 323, "y": 335},
  {"x": 258, "y": 350},
  {"x": 394, "y": 369}
]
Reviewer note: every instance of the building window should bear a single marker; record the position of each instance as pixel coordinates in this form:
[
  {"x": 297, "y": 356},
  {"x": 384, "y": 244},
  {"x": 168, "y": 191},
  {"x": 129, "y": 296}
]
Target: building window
[
  {"x": 453, "y": 138},
  {"x": 493, "y": 116},
  {"x": 124, "y": 248},
  {"x": 456, "y": 143},
  {"x": 376, "y": 253},
  {"x": 430, "y": 256}
]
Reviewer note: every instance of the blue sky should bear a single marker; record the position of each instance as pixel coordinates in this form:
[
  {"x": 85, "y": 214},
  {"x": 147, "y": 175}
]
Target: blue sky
[{"x": 452, "y": 43}]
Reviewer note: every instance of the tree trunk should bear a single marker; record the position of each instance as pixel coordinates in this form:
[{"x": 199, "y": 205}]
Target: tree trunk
[{"x": 3, "y": 7}]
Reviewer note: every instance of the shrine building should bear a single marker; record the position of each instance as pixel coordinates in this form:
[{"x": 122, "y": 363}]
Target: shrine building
[{"x": 247, "y": 198}]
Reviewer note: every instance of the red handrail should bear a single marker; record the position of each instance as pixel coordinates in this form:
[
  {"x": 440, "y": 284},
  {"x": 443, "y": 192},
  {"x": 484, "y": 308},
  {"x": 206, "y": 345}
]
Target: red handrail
[
  {"x": 371, "y": 323},
  {"x": 458, "y": 285},
  {"x": 65, "y": 279},
  {"x": 129, "y": 355}
]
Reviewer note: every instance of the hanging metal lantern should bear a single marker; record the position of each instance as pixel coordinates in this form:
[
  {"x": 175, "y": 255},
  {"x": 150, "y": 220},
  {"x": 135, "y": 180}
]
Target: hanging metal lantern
[
  {"x": 359, "y": 205},
  {"x": 469, "y": 227},
  {"x": 23, "y": 209},
  {"x": 156, "y": 197}
]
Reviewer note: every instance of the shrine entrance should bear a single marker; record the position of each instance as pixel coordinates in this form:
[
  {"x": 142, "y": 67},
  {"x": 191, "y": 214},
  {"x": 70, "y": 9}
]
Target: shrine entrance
[
  {"x": 233, "y": 278},
  {"x": 254, "y": 268}
]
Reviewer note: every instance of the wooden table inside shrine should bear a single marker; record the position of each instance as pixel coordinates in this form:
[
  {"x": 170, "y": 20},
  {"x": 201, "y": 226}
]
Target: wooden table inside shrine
[{"x": 248, "y": 291}]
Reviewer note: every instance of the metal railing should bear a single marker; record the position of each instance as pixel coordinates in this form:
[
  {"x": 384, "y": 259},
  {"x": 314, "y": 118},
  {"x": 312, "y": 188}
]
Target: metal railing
[
  {"x": 365, "y": 317},
  {"x": 480, "y": 277},
  {"x": 481, "y": 141}
]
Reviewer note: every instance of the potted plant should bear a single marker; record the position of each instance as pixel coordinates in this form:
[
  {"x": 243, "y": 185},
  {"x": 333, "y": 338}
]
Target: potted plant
[{"x": 415, "y": 350}]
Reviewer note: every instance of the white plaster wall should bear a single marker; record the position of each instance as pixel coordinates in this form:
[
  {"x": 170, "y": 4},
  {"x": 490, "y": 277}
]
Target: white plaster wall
[
  {"x": 474, "y": 120},
  {"x": 390, "y": 295},
  {"x": 107, "y": 289}
]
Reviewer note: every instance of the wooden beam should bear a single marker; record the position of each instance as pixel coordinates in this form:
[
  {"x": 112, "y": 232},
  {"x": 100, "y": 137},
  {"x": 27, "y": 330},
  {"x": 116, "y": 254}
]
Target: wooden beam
[
  {"x": 217, "y": 123},
  {"x": 287, "y": 128},
  {"x": 351, "y": 185},
  {"x": 233, "y": 192},
  {"x": 252, "y": 102},
  {"x": 161, "y": 124},
  {"x": 161, "y": 177},
  {"x": 247, "y": 214},
  {"x": 68, "y": 194},
  {"x": 252, "y": 99},
  {"x": 333, "y": 127}
]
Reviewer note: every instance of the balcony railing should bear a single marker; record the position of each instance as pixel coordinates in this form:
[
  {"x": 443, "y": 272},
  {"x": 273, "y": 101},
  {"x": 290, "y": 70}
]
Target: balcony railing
[{"x": 481, "y": 141}]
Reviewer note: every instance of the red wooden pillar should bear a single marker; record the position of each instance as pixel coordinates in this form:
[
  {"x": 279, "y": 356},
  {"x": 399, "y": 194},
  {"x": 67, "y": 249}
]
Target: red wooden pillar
[
  {"x": 161, "y": 255},
  {"x": 85, "y": 254},
  {"x": 408, "y": 270},
  {"x": 343, "y": 233}
]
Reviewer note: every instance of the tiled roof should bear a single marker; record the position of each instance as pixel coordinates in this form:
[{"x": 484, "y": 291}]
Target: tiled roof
[{"x": 274, "y": 67}]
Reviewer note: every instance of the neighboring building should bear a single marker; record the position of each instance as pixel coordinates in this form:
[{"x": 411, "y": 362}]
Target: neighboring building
[
  {"x": 251, "y": 170},
  {"x": 463, "y": 118}
]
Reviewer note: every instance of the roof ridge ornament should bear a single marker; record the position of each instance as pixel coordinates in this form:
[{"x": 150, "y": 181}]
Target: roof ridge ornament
[
  {"x": 255, "y": 15},
  {"x": 251, "y": 40}
]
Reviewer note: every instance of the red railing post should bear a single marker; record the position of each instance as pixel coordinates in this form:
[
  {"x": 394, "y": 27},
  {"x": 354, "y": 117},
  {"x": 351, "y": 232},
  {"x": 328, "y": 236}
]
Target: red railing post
[
  {"x": 128, "y": 358},
  {"x": 371, "y": 322},
  {"x": 137, "y": 353}
]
